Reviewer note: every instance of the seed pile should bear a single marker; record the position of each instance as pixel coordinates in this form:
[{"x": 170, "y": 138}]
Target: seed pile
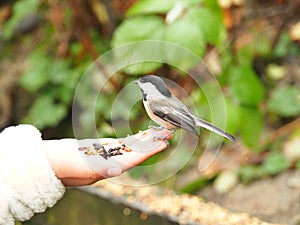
[{"x": 99, "y": 149}]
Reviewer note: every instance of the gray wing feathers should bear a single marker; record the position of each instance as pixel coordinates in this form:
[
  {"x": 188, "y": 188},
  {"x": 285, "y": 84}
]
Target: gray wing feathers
[{"x": 174, "y": 114}]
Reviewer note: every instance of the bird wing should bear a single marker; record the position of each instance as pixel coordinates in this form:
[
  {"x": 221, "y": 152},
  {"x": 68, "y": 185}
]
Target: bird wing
[{"x": 174, "y": 112}]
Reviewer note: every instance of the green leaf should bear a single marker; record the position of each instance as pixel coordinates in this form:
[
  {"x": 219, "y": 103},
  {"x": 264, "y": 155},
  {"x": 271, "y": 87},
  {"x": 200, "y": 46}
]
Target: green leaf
[
  {"x": 251, "y": 125},
  {"x": 204, "y": 102},
  {"x": 59, "y": 71},
  {"x": 186, "y": 33},
  {"x": 142, "y": 68},
  {"x": 245, "y": 86},
  {"x": 133, "y": 30},
  {"x": 45, "y": 112},
  {"x": 285, "y": 101},
  {"x": 138, "y": 29},
  {"x": 151, "y": 7},
  {"x": 245, "y": 55},
  {"x": 275, "y": 163},
  {"x": 211, "y": 26},
  {"x": 213, "y": 5},
  {"x": 37, "y": 75},
  {"x": 233, "y": 115},
  {"x": 64, "y": 93},
  {"x": 226, "y": 58}
]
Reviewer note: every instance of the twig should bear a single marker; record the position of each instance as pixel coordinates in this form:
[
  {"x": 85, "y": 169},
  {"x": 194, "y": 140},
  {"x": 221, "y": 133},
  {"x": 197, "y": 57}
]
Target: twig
[{"x": 282, "y": 131}]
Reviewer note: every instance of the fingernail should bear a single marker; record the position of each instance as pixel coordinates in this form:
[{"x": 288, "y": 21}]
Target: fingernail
[{"x": 114, "y": 171}]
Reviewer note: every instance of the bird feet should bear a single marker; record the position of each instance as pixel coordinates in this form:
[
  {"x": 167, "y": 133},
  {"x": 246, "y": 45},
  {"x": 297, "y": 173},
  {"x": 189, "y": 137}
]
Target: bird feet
[
  {"x": 164, "y": 137},
  {"x": 160, "y": 128}
]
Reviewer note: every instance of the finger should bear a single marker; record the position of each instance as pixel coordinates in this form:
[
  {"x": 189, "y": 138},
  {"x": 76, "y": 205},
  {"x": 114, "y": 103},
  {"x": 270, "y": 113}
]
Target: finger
[{"x": 72, "y": 182}]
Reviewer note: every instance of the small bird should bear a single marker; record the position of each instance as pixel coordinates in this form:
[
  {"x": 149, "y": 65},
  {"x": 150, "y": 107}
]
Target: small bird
[{"x": 168, "y": 111}]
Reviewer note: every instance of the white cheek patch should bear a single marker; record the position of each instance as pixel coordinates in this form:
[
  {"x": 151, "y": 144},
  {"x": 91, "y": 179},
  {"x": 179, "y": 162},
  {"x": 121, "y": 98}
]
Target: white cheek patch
[{"x": 150, "y": 89}]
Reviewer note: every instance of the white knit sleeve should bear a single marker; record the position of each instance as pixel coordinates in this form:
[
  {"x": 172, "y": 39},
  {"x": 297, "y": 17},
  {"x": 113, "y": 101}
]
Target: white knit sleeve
[{"x": 27, "y": 182}]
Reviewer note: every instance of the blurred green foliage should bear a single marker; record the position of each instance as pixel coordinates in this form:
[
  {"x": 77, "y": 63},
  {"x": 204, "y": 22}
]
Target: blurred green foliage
[
  {"x": 284, "y": 101},
  {"x": 192, "y": 26},
  {"x": 195, "y": 185},
  {"x": 20, "y": 10},
  {"x": 55, "y": 81},
  {"x": 198, "y": 26},
  {"x": 274, "y": 163}
]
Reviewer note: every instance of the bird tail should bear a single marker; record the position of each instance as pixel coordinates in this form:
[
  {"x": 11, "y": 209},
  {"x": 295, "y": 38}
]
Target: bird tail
[{"x": 213, "y": 128}]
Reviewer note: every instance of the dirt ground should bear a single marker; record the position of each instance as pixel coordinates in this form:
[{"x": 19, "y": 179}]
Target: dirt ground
[{"x": 274, "y": 199}]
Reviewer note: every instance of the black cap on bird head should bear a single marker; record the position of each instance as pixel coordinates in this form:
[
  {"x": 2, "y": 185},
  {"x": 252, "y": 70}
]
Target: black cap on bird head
[{"x": 158, "y": 83}]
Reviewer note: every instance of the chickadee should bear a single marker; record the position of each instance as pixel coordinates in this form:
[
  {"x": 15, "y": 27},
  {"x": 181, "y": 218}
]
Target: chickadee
[{"x": 168, "y": 111}]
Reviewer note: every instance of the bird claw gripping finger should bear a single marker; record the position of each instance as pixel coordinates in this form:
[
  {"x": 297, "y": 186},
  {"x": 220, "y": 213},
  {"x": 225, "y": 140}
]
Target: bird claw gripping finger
[
  {"x": 163, "y": 138},
  {"x": 160, "y": 128}
]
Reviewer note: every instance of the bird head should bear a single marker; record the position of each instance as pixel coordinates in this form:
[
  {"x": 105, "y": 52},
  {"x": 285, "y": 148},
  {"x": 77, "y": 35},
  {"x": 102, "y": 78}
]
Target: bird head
[{"x": 152, "y": 85}]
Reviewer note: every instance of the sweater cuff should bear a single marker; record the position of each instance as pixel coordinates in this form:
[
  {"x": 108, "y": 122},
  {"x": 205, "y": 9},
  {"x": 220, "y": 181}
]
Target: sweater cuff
[{"x": 28, "y": 177}]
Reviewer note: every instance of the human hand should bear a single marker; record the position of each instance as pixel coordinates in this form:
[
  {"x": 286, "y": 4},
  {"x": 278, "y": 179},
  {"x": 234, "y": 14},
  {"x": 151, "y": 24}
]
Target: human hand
[{"x": 77, "y": 162}]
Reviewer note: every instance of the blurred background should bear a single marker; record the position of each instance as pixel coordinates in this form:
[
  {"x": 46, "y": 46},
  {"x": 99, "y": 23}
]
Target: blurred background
[{"x": 251, "y": 47}]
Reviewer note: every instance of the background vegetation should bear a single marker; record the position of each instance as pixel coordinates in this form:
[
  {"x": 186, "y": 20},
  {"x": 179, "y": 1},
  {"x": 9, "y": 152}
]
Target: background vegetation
[{"x": 46, "y": 46}]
